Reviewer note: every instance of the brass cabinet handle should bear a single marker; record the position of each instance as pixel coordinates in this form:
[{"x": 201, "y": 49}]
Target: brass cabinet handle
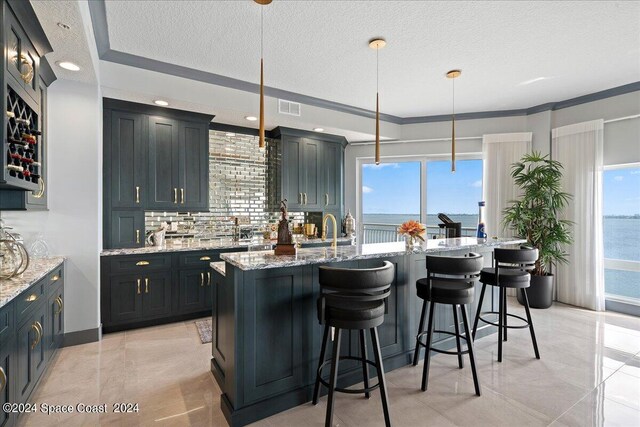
[
  {"x": 31, "y": 298},
  {"x": 35, "y": 342},
  {"x": 208, "y": 278},
  {"x": 137, "y": 236},
  {"x": 3, "y": 378},
  {"x": 60, "y": 305},
  {"x": 175, "y": 195},
  {"x": 326, "y": 199},
  {"x": 305, "y": 198},
  {"x": 182, "y": 196},
  {"x": 39, "y": 325},
  {"x": 137, "y": 194},
  {"x": 142, "y": 263},
  {"x": 205, "y": 258},
  {"x": 138, "y": 282},
  {"x": 55, "y": 278},
  {"x": 146, "y": 285},
  {"x": 40, "y": 192},
  {"x": 201, "y": 279},
  {"x": 300, "y": 197}
]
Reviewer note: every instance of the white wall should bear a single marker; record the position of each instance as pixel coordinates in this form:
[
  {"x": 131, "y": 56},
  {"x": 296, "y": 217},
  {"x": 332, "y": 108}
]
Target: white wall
[{"x": 72, "y": 226}]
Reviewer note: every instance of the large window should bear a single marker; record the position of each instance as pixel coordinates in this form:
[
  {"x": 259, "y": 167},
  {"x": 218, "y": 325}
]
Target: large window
[
  {"x": 621, "y": 208},
  {"x": 419, "y": 189}
]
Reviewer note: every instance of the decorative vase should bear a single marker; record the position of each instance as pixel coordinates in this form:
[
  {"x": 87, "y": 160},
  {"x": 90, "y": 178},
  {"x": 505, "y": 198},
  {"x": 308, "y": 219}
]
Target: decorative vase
[{"x": 409, "y": 242}]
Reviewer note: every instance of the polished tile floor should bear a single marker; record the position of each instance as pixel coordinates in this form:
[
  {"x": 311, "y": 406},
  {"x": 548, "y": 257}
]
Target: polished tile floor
[{"x": 589, "y": 375}]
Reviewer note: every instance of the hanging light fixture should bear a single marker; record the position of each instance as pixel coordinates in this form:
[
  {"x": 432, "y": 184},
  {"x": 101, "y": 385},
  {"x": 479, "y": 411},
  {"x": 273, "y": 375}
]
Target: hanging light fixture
[
  {"x": 453, "y": 74},
  {"x": 377, "y": 44},
  {"x": 261, "y": 129}
]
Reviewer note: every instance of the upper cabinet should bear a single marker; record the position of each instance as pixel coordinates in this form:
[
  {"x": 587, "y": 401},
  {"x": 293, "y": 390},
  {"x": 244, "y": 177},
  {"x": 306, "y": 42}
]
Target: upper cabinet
[
  {"x": 309, "y": 169},
  {"x": 155, "y": 159}
]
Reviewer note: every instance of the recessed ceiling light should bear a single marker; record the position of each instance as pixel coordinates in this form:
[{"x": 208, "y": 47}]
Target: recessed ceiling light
[
  {"x": 251, "y": 118},
  {"x": 68, "y": 65},
  {"x": 63, "y": 26},
  {"x": 161, "y": 102},
  {"x": 318, "y": 129},
  {"x": 230, "y": 134}
]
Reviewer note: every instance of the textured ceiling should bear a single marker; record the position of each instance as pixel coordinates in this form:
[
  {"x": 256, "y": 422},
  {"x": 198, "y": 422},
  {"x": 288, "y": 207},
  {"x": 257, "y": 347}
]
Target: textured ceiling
[
  {"x": 68, "y": 45},
  {"x": 513, "y": 54}
]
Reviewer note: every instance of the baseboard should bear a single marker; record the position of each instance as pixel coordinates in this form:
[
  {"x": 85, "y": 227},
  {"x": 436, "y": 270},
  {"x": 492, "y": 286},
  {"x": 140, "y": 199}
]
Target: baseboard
[
  {"x": 81, "y": 337},
  {"x": 117, "y": 327},
  {"x": 622, "y": 307}
]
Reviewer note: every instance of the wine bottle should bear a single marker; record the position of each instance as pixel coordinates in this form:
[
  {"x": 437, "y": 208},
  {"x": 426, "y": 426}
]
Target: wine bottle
[
  {"x": 15, "y": 168},
  {"x": 25, "y": 122},
  {"x": 11, "y": 114}
]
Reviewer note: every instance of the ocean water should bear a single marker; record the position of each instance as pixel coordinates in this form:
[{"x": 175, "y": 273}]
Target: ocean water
[{"x": 621, "y": 241}]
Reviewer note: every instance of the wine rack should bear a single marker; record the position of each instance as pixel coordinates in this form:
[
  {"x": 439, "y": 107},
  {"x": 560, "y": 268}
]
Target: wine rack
[{"x": 23, "y": 165}]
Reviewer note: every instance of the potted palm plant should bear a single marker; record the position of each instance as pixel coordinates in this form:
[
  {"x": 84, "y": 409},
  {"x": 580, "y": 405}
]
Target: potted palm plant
[{"x": 535, "y": 217}]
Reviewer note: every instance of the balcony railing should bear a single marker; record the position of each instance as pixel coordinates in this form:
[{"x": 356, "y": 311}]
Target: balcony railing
[{"x": 381, "y": 233}]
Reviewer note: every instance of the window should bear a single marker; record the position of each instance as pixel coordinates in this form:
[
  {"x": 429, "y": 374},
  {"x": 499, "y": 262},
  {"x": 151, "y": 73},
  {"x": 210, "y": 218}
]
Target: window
[
  {"x": 391, "y": 193},
  {"x": 621, "y": 229}
]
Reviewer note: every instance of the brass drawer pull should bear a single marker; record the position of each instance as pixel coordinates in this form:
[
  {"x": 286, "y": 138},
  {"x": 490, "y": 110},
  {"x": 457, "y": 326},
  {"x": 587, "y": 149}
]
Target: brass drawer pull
[
  {"x": 138, "y": 282},
  {"x": 146, "y": 285},
  {"x": 175, "y": 195},
  {"x": 55, "y": 278},
  {"x": 31, "y": 298},
  {"x": 142, "y": 263},
  {"x": 137, "y": 194},
  {"x": 3, "y": 379},
  {"x": 205, "y": 258},
  {"x": 201, "y": 279}
]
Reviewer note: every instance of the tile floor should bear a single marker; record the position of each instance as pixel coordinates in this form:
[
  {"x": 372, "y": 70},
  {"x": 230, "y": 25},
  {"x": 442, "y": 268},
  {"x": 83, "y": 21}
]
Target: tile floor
[{"x": 589, "y": 375}]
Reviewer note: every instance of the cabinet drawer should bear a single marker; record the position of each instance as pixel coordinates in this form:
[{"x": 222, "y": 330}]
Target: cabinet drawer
[
  {"x": 198, "y": 259},
  {"x": 6, "y": 323},
  {"x": 56, "y": 278},
  {"x": 29, "y": 299},
  {"x": 140, "y": 263}
]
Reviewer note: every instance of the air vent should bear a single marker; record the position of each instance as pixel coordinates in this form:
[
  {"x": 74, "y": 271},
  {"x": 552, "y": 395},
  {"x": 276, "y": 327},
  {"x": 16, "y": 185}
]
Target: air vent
[{"x": 288, "y": 107}]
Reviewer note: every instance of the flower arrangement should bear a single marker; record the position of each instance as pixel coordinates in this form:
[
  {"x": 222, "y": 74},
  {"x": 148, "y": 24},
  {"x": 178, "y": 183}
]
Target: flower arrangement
[{"x": 412, "y": 229}]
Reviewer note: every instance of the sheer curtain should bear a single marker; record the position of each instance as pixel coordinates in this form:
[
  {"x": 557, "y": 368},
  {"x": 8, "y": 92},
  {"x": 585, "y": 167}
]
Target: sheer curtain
[
  {"x": 579, "y": 148},
  {"x": 499, "y": 152}
]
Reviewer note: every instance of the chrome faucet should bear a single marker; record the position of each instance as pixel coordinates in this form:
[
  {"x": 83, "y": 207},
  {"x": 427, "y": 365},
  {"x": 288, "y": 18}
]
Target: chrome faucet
[{"x": 334, "y": 244}]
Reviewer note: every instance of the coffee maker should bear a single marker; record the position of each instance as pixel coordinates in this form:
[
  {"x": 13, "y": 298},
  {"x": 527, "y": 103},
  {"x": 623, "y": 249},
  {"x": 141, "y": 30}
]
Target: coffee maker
[{"x": 451, "y": 228}]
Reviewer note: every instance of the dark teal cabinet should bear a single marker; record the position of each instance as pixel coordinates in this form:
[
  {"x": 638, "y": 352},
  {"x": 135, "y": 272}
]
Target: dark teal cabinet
[
  {"x": 333, "y": 160},
  {"x": 292, "y": 149},
  {"x": 194, "y": 285},
  {"x": 193, "y": 166},
  {"x": 125, "y": 296},
  {"x": 127, "y": 229},
  {"x": 127, "y": 159},
  {"x": 30, "y": 353},
  {"x": 7, "y": 376},
  {"x": 55, "y": 321},
  {"x": 156, "y": 297},
  {"x": 164, "y": 175}
]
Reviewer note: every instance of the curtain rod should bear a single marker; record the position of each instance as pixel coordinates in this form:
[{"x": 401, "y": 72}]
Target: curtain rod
[
  {"x": 404, "y": 141},
  {"x": 635, "y": 116}
]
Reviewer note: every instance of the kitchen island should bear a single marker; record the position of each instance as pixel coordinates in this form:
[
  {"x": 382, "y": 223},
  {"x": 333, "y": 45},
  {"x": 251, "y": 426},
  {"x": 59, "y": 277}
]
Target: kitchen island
[{"x": 266, "y": 337}]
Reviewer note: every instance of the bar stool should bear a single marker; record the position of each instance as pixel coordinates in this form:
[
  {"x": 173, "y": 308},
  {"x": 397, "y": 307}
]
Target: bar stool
[
  {"x": 510, "y": 269},
  {"x": 450, "y": 280},
  {"x": 352, "y": 299}
]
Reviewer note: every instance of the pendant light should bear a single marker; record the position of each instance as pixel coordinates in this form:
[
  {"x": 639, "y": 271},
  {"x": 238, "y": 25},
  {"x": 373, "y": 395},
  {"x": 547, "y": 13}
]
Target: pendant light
[
  {"x": 453, "y": 74},
  {"x": 261, "y": 130},
  {"x": 377, "y": 44}
]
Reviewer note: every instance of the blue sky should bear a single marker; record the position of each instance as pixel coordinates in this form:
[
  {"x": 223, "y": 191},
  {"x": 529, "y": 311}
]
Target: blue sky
[
  {"x": 621, "y": 191},
  {"x": 395, "y": 187}
]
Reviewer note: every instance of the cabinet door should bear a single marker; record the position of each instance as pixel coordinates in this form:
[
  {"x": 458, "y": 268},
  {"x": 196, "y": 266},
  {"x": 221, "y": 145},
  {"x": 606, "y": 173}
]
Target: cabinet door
[
  {"x": 291, "y": 171},
  {"x": 156, "y": 299},
  {"x": 125, "y": 293},
  {"x": 332, "y": 167},
  {"x": 30, "y": 61},
  {"x": 312, "y": 175},
  {"x": 193, "y": 166},
  {"x": 163, "y": 164},
  {"x": 127, "y": 229},
  {"x": 55, "y": 321},
  {"x": 37, "y": 200},
  {"x": 192, "y": 290},
  {"x": 127, "y": 160},
  {"x": 15, "y": 43},
  {"x": 25, "y": 375},
  {"x": 6, "y": 381},
  {"x": 40, "y": 353}
]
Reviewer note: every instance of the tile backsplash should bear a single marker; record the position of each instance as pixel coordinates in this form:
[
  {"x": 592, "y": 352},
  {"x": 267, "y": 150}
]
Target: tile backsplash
[{"x": 237, "y": 188}]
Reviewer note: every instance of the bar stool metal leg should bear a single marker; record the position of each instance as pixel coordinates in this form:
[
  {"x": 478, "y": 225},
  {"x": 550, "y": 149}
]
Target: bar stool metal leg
[
  {"x": 533, "y": 333},
  {"x": 457, "y": 329},
  {"x": 416, "y": 353},
  {"x": 427, "y": 354},
  {"x": 478, "y": 311},
  {"x": 365, "y": 365},
  {"x": 504, "y": 305},
  {"x": 381, "y": 380},
  {"x": 500, "y": 319},
  {"x": 334, "y": 377},
  {"x": 472, "y": 357},
  {"x": 323, "y": 351}
]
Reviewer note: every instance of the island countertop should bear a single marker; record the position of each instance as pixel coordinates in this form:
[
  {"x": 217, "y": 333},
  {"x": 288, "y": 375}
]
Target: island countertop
[
  {"x": 261, "y": 260},
  {"x": 38, "y": 268}
]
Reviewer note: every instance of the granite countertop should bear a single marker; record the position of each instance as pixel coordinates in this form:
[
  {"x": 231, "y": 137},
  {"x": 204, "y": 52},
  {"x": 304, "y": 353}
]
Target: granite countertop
[
  {"x": 201, "y": 245},
  {"x": 38, "y": 268},
  {"x": 260, "y": 260},
  {"x": 219, "y": 266}
]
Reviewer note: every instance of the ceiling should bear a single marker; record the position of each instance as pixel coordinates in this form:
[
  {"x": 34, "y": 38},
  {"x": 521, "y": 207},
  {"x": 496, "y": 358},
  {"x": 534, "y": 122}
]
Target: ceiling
[{"x": 513, "y": 55}]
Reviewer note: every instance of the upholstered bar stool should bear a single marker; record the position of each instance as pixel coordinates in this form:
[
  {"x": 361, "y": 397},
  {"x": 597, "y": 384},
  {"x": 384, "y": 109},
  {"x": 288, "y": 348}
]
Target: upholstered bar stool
[
  {"x": 511, "y": 269},
  {"x": 451, "y": 281},
  {"x": 352, "y": 299}
]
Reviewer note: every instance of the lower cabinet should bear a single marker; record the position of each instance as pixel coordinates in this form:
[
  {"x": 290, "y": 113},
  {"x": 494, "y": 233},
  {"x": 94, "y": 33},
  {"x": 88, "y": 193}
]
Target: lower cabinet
[
  {"x": 195, "y": 290},
  {"x": 31, "y": 330}
]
